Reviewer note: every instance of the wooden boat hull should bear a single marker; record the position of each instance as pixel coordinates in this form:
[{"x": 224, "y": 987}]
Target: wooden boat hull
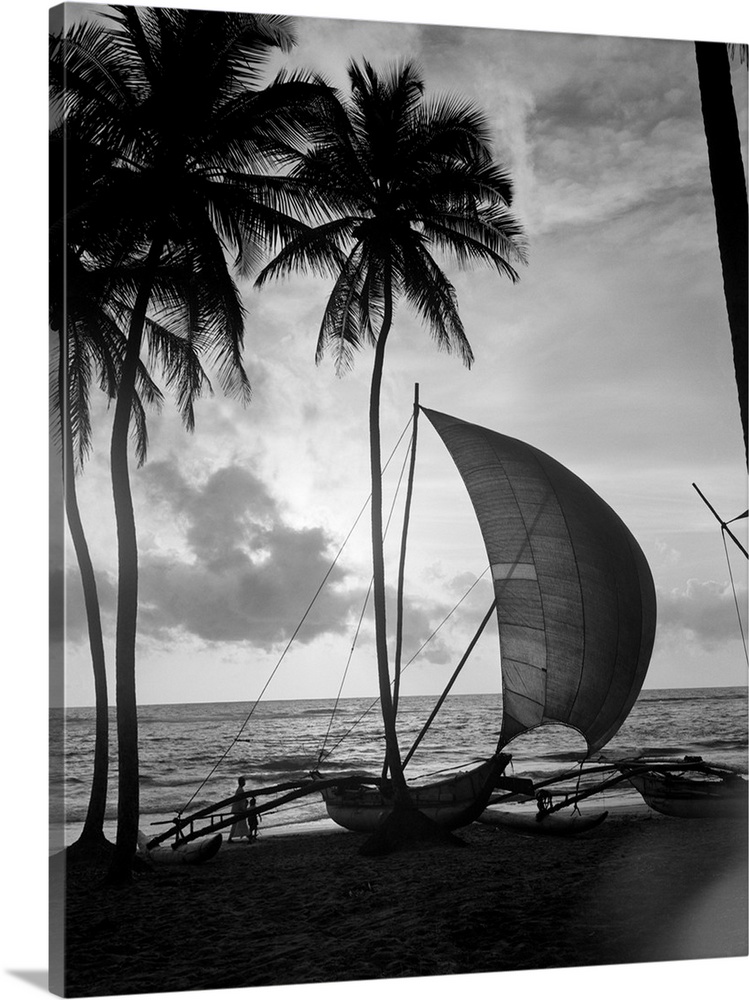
[
  {"x": 552, "y": 824},
  {"x": 451, "y": 803},
  {"x": 693, "y": 797},
  {"x": 195, "y": 852}
]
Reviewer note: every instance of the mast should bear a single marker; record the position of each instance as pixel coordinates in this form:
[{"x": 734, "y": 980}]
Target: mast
[
  {"x": 402, "y": 570},
  {"x": 402, "y": 563},
  {"x": 378, "y": 556}
]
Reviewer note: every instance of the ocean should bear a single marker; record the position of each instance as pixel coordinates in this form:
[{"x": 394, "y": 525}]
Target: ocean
[{"x": 191, "y": 755}]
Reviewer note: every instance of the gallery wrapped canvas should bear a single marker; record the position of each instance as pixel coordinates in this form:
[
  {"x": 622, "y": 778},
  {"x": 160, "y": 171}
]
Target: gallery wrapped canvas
[{"x": 389, "y": 637}]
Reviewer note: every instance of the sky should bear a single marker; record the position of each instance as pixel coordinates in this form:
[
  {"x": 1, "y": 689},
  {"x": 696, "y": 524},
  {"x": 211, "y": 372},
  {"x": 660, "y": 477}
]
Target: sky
[
  {"x": 670, "y": 419},
  {"x": 612, "y": 354}
]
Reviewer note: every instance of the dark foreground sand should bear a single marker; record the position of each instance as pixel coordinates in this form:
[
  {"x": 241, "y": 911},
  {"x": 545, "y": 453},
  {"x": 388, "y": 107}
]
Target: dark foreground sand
[{"x": 310, "y": 909}]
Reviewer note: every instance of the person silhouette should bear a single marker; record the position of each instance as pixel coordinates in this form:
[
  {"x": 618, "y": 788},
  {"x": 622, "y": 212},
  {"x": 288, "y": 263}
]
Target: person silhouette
[
  {"x": 254, "y": 820},
  {"x": 239, "y": 827}
]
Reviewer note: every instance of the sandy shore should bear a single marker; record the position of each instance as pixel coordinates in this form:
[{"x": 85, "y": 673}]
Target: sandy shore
[{"x": 310, "y": 909}]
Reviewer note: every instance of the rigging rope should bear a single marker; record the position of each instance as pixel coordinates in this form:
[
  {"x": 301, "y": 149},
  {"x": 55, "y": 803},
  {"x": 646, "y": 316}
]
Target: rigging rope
[
  {"x": 733, "y": 588},
  {"x": 426, "y": 642},
  {"x": 324, "y": 580},
  {"x": 322, "y": 753}
]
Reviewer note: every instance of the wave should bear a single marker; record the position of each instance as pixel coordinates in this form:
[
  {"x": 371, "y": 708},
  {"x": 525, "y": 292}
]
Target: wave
[
  {"x": 721, "y": 744},
  {"x": 693, "y": 694}
]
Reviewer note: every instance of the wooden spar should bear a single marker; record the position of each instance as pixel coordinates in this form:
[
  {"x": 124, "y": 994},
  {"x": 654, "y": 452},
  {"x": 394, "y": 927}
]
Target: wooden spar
[
  {"x": 720, "y": 520},
  {"x": 297, "y": 791},
  {"x": 653, "y": 764},
  {"x": 627, "y": 769},
  {"x": 567, "y": 775},
  {"x": 207, "y": 810},
  {"x": 402, "y": 563},
  {"x": 571, "y": 800},
  {"x": 450, "y": 683}
]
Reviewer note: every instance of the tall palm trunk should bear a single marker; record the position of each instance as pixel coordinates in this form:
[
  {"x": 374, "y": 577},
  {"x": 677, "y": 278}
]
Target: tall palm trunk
[
  {"x": 92, "y": 834},
  {"x": 128, "y": 799},
  {"x": 729, "y": 196},
  {"x": 378, "y": 558}
]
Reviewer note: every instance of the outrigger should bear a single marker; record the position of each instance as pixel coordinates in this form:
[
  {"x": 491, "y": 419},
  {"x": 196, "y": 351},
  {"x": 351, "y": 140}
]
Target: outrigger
[
  {"x": 574, "y": 602},
  {"x": 686, "y": 788}
]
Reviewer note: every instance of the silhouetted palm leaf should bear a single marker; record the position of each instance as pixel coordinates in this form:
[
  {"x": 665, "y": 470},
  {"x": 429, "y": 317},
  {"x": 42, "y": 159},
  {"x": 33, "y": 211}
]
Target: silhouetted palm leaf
[{"x": 179, "y": 136}]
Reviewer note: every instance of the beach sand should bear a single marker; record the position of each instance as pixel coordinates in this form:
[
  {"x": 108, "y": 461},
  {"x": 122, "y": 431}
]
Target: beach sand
[{"x": 308, "y": 908}]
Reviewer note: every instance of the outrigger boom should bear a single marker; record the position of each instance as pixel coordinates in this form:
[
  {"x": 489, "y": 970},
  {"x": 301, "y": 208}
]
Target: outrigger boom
[
  {"x": 626, "y": 769},
  {"x": 219, "y": 820}
]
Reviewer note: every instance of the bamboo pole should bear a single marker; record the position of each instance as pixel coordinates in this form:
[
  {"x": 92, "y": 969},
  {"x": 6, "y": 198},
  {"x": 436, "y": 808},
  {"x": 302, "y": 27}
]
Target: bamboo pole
[
  {"x": 720, "y": 520},
  {"x": 402, "y": 563},
  {"x": 298, "y": 791},
  {"x": 450, "y": 683}
]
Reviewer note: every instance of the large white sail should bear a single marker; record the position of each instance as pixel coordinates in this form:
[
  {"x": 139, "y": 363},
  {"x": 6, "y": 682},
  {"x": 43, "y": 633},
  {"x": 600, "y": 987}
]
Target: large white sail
[{"x": 575, "y": 597}]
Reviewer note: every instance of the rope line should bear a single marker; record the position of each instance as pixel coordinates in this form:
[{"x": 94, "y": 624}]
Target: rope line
[
  {"x": 322, "y": 753},
  {"x": 733, "y": 588},
  {"x": 376, "y": 701},
  {"x": 324, "y": 580}
]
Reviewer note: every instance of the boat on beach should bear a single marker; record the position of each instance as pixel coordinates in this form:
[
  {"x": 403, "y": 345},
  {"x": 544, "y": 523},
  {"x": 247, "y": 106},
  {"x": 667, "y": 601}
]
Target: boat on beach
[
  {"x": 531, "y": 820},
  {"x": 194, "y": 852},
  {"x": 688, "y": 788},
  {"x": 691, "y": 790},
  {"x": 574, "y": 602},
  {"x": 451, "y": 803}
]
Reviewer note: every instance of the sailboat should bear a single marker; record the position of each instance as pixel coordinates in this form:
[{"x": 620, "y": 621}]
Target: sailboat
[
  {"x": 576, "y": 611},
  {"x": 690, "y": 789},
  {"x": 575, "y": 605},
  {"x": 693, "y": 788}
]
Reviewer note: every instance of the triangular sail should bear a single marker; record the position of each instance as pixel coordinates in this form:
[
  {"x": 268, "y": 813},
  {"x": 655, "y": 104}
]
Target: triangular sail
[{"x": 575, "y": 596}]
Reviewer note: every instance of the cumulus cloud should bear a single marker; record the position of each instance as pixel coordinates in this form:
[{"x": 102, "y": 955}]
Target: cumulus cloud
[
  {"x": 236, "y": 570},
  {"x": 67, "y": 608},
  {"x": 702, "y": 612},
  {"x": 222, "y": 562}
]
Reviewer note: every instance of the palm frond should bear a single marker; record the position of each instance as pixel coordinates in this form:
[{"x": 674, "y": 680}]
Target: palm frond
[
  {"x": 179, "y": 359},
  {"x": 472, "y": 241},
  {"x": 341, "y": 325},
  {"x": 434, "y": 299},
  {"x": 320, "y": 250}
]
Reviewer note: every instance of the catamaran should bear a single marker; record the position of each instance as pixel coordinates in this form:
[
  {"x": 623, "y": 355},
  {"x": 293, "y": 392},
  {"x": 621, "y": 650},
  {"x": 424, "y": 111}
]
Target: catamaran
[{"x": 575, "y": 605}]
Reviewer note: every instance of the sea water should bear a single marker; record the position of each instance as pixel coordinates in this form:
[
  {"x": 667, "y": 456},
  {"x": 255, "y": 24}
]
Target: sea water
[{"x": 191, "y": 755}]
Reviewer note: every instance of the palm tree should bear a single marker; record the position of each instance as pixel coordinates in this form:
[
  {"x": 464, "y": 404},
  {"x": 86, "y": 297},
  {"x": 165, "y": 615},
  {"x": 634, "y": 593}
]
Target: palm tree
[
  {"x": 92, "y": 835},
  {"x": 89, "y": 344},
  {"x": 173, "y": 96},
  {"x": 398, "y": 178},
  {"x": 85, "y": 304}
]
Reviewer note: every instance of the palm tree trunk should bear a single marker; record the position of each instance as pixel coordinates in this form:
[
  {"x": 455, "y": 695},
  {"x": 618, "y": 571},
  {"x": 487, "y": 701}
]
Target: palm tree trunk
[
  {"x": 402, "y": 564},
  {"x": 128, "y": 800},
  {"x": 729, "y": 196},
  {"x": 92, "y": 834},
  {"x": 378, "y": 559}
]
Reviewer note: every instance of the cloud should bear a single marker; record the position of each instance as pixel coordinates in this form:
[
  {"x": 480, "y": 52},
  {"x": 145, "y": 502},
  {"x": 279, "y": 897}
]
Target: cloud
[
  {"x": 221, "y": 561},
  {"x": 67, "y": 607},
  {"x": 232, "y": 567},
  {"x": 703, "y": 612}
]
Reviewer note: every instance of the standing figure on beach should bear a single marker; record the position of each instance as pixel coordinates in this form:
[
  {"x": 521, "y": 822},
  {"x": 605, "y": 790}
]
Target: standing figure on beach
[
  {"x": 254, "y": 820},
  {"x": 239, "y": 828}
]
